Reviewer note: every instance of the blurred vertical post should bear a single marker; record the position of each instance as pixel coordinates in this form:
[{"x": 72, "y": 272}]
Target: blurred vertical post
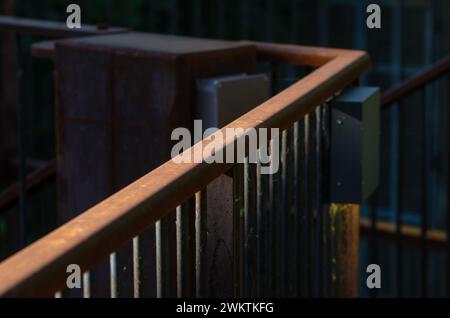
[{"x": 346, "y": 256}]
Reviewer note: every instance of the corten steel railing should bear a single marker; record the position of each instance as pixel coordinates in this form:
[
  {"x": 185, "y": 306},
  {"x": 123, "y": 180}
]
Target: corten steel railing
[
  {"x": 274, "y": 252},
  {"x": 20, "y": 32},
  {"x": 401, "y": 233}
]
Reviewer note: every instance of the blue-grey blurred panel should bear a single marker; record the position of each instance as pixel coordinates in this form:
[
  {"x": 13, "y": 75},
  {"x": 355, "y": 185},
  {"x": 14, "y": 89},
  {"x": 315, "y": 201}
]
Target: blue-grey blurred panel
[
  {"x": 355, "y": 145},
  {"x": 221, "y": 100}
]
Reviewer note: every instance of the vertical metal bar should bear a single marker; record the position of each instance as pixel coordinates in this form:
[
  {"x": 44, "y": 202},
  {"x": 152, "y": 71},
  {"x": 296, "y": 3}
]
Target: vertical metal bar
[
  {"x": 281, "y": 239},
  {"x": 448, "y": 187},
  {"x": 184, "y": 243},
  {"x": 113, "y": 275},
  {"x": 373, "y": 246},
  {"x": 21, "y": 149},
  {"x": 239, "y": 239},
  {"x": 424, "y": 208},
  {"x": 318, "y": 209},
  {"x": 200, "y": 244},
  {"x": 249, "y": 278},
  {"x": 275, "y": 261},
  {"x": 326, "y": 236},
  {"x": 307, "y": 287},
  {"x": 398, "y": 221},
  {"x": 86, "y": 285},
  {"x": 247, "y": 253},
  {"x": 259, "y": 232},
  {"x": 181, "y": 251},
  {"x": 312, "y": 198},
  {"x": 294, "y": 252},
  {"x": 159, "y": 259},
  {"x": 301, "y": 279},
  {"x": 136, "y": 268},
  {"x": 396, "y": 149},
  {"x": 165, "y": 250}
]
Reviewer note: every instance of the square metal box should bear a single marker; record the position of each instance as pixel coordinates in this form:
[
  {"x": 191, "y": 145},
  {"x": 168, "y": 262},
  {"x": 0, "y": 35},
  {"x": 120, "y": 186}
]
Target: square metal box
[
  {"x": 221, "y": 100},
  {"x": 355, "y": 145}
]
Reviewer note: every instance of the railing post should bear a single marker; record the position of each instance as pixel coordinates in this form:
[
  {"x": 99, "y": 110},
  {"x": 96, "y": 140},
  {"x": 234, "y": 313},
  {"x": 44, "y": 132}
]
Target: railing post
[
  {"x": 346, "y": 256},
  {"x": 354, "y": 176}
]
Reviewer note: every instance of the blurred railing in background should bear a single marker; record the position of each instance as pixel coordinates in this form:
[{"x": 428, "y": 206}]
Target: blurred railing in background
[{"x": 429, "y": 237}]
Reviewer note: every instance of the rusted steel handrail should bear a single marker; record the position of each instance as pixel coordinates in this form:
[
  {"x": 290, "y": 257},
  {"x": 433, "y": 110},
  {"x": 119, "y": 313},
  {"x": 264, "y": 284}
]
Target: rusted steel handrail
[
  {"x": 40, "y": 269},
  {"x": 52, "y": 28},
  {"x": 414, "y": 83}
]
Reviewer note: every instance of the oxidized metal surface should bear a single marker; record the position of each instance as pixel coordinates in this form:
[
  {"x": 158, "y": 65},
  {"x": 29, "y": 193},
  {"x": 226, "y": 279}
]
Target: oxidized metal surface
[{"x": 39, "y": 269}]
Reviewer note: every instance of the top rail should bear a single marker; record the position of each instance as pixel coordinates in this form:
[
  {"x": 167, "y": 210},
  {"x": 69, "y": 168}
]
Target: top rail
[
  {"x": 40, "y": 269},
  {"x": 52, "y": 28},
  {"x": 411, "y": 85}
]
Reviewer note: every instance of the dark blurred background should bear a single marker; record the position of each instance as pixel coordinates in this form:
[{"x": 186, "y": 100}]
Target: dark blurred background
[{"x": 414, "y": 34}]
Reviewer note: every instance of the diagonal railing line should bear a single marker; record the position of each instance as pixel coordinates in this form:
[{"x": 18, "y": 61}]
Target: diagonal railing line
[{"x": 416, "y": 82}]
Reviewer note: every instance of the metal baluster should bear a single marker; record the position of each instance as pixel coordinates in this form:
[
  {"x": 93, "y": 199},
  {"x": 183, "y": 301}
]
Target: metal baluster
[
  {"x": 200, "y": 244},
  {"x": 301, "y": 283},
  {"x": 281, "y": 215},
  {"x": 275, "y": 228},
  {"x": 163, "y": 258},
  {"x": 86, "y": 285},
  {"x": 239, "y": 238},
  {"x": 183, "y": 238},
  {"x": 113, "y": 275},
  {"x": 159, "y": 278},
  {"x": 307, "y": 210},
  {"x": 327, "y": 256},
  {"x": 294, "y": 252},
  {"x": 448, "y": 187},
  {"x": 318, "y": 208},
  {"x": 136, "y": 268},
  {"x": 424, "y": 208},
  {"x": 373, "y": 246},
  {"x": 259, "y": 232},
  {"x": 249, "y": 228},
  {"x": 398, "y": 221}
]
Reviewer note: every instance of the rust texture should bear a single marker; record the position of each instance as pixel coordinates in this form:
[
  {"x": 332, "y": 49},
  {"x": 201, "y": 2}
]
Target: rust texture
[
  {"x": 347, "y": 236},
  {"x": 39, "y": 269}
]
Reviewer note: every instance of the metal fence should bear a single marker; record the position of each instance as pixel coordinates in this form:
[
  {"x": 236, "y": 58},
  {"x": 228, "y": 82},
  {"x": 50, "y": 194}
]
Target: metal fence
[{"x": 285, "y": 241}]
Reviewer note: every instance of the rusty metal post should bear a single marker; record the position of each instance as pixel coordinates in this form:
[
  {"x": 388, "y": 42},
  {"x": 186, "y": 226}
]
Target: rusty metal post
[{"x": 345, "y": 225}]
